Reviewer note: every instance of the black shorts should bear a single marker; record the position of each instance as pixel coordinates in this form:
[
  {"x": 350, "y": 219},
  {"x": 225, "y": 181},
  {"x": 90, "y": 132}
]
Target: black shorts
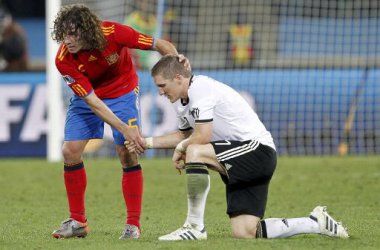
[{"x": 249, "y": 166}]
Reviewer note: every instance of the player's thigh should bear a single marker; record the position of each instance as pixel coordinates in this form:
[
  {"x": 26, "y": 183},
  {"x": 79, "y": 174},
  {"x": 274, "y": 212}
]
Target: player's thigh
[
  {"x": 126, "y": 108},
  {"x": 204, "y": 153},
  {"x": 244, "y": 226},
  {"x": 81, "y": 122}
]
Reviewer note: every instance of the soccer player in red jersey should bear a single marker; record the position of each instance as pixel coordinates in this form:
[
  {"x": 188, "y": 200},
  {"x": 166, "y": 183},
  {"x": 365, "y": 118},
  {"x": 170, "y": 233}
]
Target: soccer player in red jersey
[{"x": 94, "y": 61}]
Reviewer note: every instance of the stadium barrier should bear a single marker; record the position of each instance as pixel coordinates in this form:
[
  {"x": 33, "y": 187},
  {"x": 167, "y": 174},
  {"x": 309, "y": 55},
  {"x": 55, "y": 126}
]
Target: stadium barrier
[{"x": 308, "y": 111}]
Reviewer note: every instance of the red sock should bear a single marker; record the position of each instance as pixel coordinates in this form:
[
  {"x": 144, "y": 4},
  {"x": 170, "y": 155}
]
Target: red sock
[
  {"x": 132, "y": 185},
  {"x": 76, "y": 182}
]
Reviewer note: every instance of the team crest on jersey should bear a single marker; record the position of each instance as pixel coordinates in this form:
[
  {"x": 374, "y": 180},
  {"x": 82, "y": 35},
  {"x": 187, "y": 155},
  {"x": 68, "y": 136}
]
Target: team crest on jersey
[
  {"x": 68, "y": 79},
  {"x": 111, "y": 59},
  {"x": 194, "y": 113}
]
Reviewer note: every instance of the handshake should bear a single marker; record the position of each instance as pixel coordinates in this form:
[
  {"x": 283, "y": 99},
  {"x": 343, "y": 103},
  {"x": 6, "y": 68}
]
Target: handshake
[
  {"x": 139, "y": 148},
  {"x": 179, "y": 155}
]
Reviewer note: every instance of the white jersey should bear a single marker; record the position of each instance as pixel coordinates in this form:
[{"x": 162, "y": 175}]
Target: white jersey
[{"x": 232, "y": 117}]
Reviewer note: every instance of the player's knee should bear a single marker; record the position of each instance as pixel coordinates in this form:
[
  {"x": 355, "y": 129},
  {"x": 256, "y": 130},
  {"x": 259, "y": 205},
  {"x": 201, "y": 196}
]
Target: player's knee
[
  {"x": 126, "y": 159},
  {"x": 193, "y": 153},
  {"x": 244, "y": 232},
  {"x": 244, "y": 226},
  {"x": 71, "y": 153}
]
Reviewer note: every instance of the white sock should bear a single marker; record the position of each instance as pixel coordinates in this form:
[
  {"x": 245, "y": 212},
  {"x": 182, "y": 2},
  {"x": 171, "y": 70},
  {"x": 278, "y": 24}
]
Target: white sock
[
  {"x": 198, "y": 186},
  {"x": 283, "y": 228}
]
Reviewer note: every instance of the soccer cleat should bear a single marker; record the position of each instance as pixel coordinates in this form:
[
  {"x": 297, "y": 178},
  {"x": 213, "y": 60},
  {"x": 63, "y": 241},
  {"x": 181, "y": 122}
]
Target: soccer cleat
[
  {"x": 130, "y": 232},
  {"x": 186, "y": 232},
  {"x": 327, "y": 224},
  {"x": 71, "y": 228}
]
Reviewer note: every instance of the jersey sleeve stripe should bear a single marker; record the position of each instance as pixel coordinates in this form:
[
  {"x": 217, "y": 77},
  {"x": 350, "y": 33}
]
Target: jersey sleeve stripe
[
  {"x": 144, "y": 39},
  {"x": 108, "y": 30},
  {"x": 185, "y": 129},
  {"x": 79, "y": 90},
  {"x": 108, "y": 33},
  {"x": 145, "y": 43},
  {"x": 204, "y": 121}
]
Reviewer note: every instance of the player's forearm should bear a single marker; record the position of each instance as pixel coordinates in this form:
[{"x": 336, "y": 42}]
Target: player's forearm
[
  {"x": 193, "y": 139},
  {"x": 165, "y": 47},
  {"x": 165, "y": 141},
  {"x": 104, "y": 113}
]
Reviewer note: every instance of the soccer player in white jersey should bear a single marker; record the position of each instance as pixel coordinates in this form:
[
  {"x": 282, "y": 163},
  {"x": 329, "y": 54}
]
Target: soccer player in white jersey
[{"x": 218, "y": 130}]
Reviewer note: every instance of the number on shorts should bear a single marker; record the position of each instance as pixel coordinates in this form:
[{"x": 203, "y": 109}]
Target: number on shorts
[{"x": 132, "y": 123}]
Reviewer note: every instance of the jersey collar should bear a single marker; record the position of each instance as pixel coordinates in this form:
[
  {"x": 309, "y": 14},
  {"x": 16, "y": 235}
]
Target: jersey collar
[{"x": 184, "y": 102}]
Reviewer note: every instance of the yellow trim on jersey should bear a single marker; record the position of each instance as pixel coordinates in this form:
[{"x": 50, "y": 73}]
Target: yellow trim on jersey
[
  {"x": 137, "y": 90},
  {"x": 92, "y": 58},
  {"x": 108, "y": 30},
  {"x": 62, "y": 53},
  {"x": 146, "y": 43},
  {"x": 145, "y": 40},
  {"x": 79, "y": 90}
]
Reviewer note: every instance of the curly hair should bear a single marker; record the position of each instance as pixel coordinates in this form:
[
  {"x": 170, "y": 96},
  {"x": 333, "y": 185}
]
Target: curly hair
[{"x": 79, "y": 20}]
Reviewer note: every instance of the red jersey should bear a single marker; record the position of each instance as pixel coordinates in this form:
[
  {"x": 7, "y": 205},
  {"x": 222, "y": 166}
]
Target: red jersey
[{"x": 110, "y": 73}]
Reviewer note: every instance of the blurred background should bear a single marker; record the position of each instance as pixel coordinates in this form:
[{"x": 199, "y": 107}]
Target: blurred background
[{"x": 310, "y": 68}]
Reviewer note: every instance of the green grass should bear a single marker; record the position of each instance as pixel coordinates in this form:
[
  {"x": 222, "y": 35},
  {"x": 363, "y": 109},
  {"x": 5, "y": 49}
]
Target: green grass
[{"x": 33, "y": 203}]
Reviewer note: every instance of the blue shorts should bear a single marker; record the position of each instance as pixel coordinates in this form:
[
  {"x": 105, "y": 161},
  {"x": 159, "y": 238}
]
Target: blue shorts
[{"x": 83, "y": 124}]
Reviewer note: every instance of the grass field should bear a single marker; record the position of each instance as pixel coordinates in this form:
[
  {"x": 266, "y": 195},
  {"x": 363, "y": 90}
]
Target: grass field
[{"x": 33, "y": 203}]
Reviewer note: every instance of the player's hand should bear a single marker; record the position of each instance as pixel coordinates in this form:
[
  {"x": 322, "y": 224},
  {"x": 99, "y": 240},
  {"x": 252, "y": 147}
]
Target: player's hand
[
  {"x": 130, "y": 146},
  {"x": 178, "y": 160},
  {"x": 185, "y": 61},
  {"x": 134, "y": 141}
]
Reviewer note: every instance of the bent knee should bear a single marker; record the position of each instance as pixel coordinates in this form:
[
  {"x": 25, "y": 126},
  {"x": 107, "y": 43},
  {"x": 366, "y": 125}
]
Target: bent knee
[
  {"x": 71, "y": 152},
  {"x": 244, "y": 226},
  {"x": 198, "y": 152},
  {"x": 193, "y": 152},
  {"x": 244, "y": 233}
]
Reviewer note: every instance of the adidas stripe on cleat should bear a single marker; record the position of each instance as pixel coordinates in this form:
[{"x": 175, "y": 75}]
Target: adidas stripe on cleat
[
  {"x": 327, "y": 224},
  {"x": 186, "y": 232}
]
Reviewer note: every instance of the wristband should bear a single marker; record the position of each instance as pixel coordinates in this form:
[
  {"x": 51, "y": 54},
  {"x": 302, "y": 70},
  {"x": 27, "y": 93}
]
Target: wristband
[{"x": 149, "y": 142}]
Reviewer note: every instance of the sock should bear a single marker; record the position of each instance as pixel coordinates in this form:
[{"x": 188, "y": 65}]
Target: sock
[
  {"x": 132, "y": 185},
  {"x": 76, "y": 182},
  {"x": 283, "y": 228},
  {"x": 198, "y": 186}
]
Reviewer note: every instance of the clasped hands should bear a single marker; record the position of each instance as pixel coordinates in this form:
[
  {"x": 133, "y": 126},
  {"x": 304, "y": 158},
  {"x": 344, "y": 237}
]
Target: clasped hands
[{"x": 178, "y": 159}]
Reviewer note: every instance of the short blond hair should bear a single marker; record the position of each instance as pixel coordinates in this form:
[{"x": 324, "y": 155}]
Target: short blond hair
[{"x": 169, "y": 66}]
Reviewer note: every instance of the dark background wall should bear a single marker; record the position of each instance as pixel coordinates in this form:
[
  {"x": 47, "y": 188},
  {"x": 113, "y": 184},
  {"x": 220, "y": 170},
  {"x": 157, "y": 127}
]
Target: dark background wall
[{"x": 25, "y": 8}]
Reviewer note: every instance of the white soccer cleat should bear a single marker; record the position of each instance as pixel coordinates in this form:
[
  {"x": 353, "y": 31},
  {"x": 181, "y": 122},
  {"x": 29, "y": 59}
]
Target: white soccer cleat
[
  {"x": 327, "y": 224},
  {"x": 186, "y": 232}
]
